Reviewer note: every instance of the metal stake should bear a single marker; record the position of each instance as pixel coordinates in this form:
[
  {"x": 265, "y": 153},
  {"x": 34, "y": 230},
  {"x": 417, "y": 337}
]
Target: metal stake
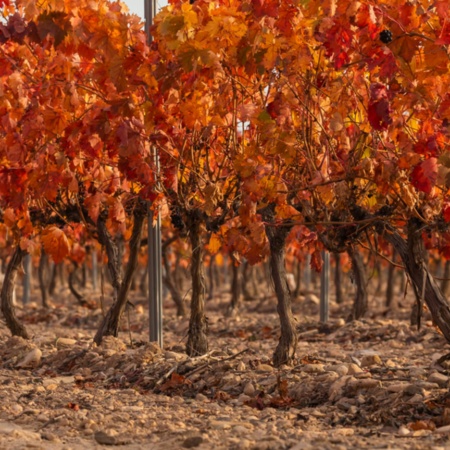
[{"x": 154, "y": 234}]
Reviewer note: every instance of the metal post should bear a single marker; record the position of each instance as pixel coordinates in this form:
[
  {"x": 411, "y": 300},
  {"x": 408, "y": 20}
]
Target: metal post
[
  {"x": 154, "y": 235},
  {"x": 325, "y": 287}
]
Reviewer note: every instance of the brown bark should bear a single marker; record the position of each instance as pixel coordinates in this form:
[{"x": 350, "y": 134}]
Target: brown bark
[
  {"x": 391, "y": 298},
  {"x": 79, "y": 297},
  {"x": 169, "y": 281},
  {"x": 338, "y": 279},
  {"x": 42, "y": 275},
  {"x": 197, "y": 343},
  {"x": 445, "y": 284},
  {"x": 360, "y": 303},
  {"x": 287, "y": 344},
  {"x": 247, "y": 274},
  {"x": 53, "y": 279},
  {"x": 13, "y": 324},
  {"x": 412, "y": 253},
  {"x": 111, "y": 321}
]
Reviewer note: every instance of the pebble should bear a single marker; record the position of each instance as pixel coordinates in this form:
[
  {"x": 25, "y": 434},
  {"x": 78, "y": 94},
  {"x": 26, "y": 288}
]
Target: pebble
[
  {"x": 264, "y": 368},
  {"x": 31, "y": 360},
  {"x": 65, "y": 342},
  {"x": 438, "y": 378},
  {"x": 249, "y": 389},
  {"x": 353, "y": 369}
]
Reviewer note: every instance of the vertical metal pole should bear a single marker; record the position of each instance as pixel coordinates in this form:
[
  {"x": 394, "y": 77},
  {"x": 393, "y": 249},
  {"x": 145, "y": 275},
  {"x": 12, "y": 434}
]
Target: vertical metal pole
[
  {"x": 154, "y": 235},
  {"x": 325, "y": 287}
]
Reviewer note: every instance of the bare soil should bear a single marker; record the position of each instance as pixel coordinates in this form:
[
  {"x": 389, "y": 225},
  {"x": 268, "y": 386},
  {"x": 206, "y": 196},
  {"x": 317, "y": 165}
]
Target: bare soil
[{"x": 374, "y": 383}]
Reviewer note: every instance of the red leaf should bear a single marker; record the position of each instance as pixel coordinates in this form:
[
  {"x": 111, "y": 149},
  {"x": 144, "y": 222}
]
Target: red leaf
[
  {"x": 446, "y": 212},
  {"x": 424, "y": 175}
]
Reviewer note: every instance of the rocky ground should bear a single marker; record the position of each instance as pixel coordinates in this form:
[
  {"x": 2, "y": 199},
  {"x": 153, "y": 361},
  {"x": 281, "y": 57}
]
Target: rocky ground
[{"x": 375, "y": 383}]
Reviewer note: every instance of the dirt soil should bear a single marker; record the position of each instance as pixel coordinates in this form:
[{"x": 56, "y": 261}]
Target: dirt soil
[{"x": 374, "y": 383}]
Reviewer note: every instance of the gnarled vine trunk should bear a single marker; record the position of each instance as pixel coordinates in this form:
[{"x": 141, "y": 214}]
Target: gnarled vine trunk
[
  {"x": 285, "y": 351},
  {"x": 197, "y": 343},
  {"x": 338, "y": 279},
  {"x": 413, "y": 255},
  {"x": 360, "y": 303},
  {"x": 43, "y": 278},
  {"x": 111, "y": 321},
  {"x": 16, "y": 328},
  {"x": 169, "y": 281},
  {"x": 391, "y": 298},
  {"x": 72, "y": 276}
]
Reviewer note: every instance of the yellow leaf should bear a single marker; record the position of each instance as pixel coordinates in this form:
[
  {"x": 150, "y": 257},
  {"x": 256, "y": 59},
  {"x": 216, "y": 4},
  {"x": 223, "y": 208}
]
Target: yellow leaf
[
  {"x": 55, "y": 243},
  {"x": 214, "y": 244}
]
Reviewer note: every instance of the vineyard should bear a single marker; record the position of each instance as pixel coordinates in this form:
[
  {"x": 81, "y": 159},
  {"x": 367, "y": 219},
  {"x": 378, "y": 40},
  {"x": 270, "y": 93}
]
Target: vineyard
[{"x": 263, "y": 137}]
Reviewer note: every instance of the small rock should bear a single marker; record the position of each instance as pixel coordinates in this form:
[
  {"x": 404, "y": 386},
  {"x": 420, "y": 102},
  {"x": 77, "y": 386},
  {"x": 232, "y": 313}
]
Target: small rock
[
  {"x": 443, "y": 430},
  {"x": 31, "y": 360},
  {"x": 219, "y": 425},
  {"x": 65, "y": 342},
  {"x": 370, "y": 360},
  {"x": 192, "y": 442},
  {"x": 201, "y": 398},
  {"x": 264, "y": 368},
  {"x": 108, "y": 439},
  {"x": 403, "y": 431},
  {"x": 340, "y": 369},
  {"x": 438, "y": 378},
  {"x": 353, "y": 369},
  {"x": 313, "y": 368},
  {"x": 249, "y": 389}
]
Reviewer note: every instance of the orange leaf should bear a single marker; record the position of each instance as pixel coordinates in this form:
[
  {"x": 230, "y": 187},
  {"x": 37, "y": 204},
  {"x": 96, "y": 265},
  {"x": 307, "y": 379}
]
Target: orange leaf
[{"x": 55, "y": 243}]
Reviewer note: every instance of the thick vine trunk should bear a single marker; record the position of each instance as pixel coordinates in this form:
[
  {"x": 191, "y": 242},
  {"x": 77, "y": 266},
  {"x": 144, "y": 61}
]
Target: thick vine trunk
[
  {"x": 170, "y": 283},
  {"x": 445, "y": 284},
  {"x": 360, "y": 303},
  {"x": 42, "y": 274},
  {"x": 16, "y": 328},
  {"x": 285, "y": 351},
  {"x": 111, "y": 321},
  {"x": 391, "y": 298},
  {"x": 72, "y": 276},
  {"x": 197, "y": 343},
  {"x": 338, "y": 279},
  {"x": 413, "y": 255},
  {"x": 247, "y": 274}
]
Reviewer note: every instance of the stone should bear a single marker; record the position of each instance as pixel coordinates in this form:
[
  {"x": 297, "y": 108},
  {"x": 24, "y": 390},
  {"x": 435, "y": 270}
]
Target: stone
[
  {"x": 370, "y": 360},
  {"x": 312, "y": 368},
  {"x": 249, "y": 389},
  {"x": 65, "y": 342},
  {"x": 32, "y": 359},
  {"x": 353, "y": 369},
  {"x": 264, "y": 368},
  {"x": 192, "y": 442},
  {"x": 438, "y": 378}
]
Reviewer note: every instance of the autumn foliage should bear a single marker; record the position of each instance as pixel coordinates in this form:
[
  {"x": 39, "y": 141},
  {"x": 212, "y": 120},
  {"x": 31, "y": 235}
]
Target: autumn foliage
[{"x": 335, "y": 115}]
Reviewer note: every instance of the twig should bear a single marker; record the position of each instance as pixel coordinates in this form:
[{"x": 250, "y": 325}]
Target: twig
[{"x": 204, "y": 366}]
